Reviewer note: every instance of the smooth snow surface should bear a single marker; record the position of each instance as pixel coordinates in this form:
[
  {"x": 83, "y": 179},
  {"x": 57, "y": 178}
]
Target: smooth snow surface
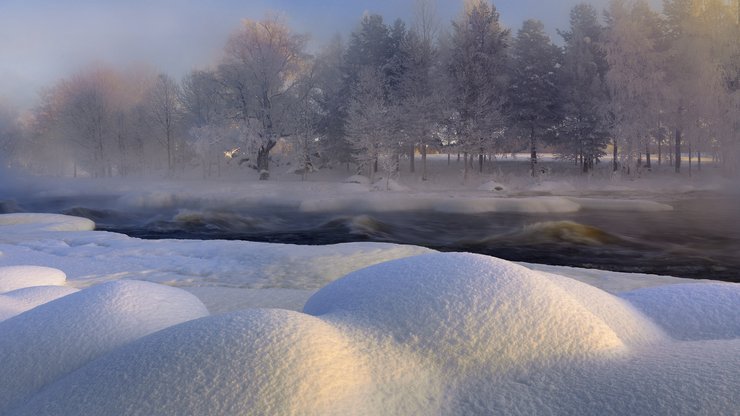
[
  {"x": 48, "y": 341},
  {"x": 469, "y": 310},
  {"x": 416, "y": 332},
  {"x": 690, "y": 311},
  {"x": 18, "y": 301},
  {"x": 259, "y": 362},
  {"x": 19, "y": 277}
]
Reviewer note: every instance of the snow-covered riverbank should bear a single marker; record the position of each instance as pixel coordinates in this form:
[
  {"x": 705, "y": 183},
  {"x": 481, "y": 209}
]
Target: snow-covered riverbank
[{"x": 417, "y": 332}]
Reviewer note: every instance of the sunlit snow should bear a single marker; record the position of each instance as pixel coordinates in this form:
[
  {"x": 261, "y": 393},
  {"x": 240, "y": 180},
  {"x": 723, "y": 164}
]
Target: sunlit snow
[{"x": 416, "y": 332}]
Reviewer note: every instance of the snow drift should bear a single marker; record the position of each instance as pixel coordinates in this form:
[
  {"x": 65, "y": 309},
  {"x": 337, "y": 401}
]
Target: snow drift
[
  {"x": 19, "y": 277},
  {"x": 55, "y": 338}
]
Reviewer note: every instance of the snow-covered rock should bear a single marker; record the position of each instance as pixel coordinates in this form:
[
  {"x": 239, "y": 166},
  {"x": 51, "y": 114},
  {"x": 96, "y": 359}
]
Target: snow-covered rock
[
  {"x": 18, "y": 277},
  {"x": 18, "y": 301},
  {"x": 255, "y": 362},
  {"x": 698, "y": 311},
  {"x": 492, "y": 186},
  {"x": 48, "y": 341},
  {"x": 21, "y": 223},
  {"x": 359, "y": 179}
]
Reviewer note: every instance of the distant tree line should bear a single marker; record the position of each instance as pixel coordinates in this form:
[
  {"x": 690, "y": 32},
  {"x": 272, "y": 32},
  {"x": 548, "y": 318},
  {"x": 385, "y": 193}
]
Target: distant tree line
[{"x": 654, "y": 87}]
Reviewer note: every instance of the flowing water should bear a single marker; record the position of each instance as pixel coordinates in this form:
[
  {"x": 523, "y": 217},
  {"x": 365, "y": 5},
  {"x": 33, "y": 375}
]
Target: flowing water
[{"x": 700, "y": 238}]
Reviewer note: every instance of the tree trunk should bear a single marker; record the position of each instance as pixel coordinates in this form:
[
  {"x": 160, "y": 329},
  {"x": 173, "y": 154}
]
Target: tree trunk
[
  {"x": 465, "y": 170},
  {"x": 480, "y": 163},
  {"x": 698, "y": 160},
  {"x": 412, "y": 155},
  {"x": 263, "y": 163},
  {"x": 615, "y": 163},
  {"x": 532, "y": 153},
  {"x": 689, "y": 159},
  {"x": 424, "y": 162},
  {"x": 677, "y": 163},
  {"x": 660, "y": 153},
  {"x": 648, "y": 162}
]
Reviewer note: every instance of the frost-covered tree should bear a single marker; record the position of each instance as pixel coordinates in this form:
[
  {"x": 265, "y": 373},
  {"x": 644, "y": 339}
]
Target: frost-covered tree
[
  {"x": 10, "y": 135},
  {"x": 583, "y": 132},
  {"x": 533, "y": 98},
  {"x": 476, "y": 78},
  {"x": 420, "y": 102},
  {"x": 701, "y": 36},
  {"x": 368, "y": 129},
  {"x": 261, "y": 64},
  {"x": 635, "y": 52},
  {"x": 375, "y": 66},
  {"x": 164, "y": 112}
]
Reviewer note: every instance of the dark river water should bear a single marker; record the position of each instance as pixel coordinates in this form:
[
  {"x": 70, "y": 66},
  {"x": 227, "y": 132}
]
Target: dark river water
[{"x": 699, "y": 239}]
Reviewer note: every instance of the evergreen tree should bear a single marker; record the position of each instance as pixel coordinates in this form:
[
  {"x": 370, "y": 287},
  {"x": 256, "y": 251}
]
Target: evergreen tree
[
  {"x": 476, "y": 83},
  {"x": 533, "y": 94},
  {"x": 584, "y": 129}
]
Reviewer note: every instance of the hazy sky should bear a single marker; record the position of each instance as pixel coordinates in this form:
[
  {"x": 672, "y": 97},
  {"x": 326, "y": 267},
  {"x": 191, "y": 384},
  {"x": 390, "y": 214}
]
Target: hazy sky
[{"x": 44, "y": 40}]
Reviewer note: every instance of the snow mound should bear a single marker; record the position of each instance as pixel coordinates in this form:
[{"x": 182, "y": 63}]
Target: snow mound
[
  {"x": 695, "y": 311},
  {"x": 389, "y": 185},
  {"x": 18, "y": 301},
  {"x": 257, "y": 362},
  {"x": 631, "y": 205},
  {"x": 471, "y": 310},
  {"x": 492, "y": 186},
  {"x": 359, "y": 179},
  {"x": 550, "y": 204},
  {"x": 18, "y": 277},
  {"x": 43, "y": 222},
  {"x": 48, "y": 341}
]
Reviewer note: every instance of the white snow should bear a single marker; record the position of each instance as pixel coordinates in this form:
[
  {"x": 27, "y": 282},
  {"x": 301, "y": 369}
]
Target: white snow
[
  {"x": 259, "y": 362},
  {"x": 690, "y": 311},
  {"x": 18, "y": 301},
  {"x": 44, "y": 222},
  {"x": 49, "y": 341},
  {"x": 18, "y": 277},
  {"x": 416, "y": 332}
]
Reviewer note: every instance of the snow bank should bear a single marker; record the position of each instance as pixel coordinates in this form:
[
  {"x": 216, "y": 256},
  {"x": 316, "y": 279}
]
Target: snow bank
[
  {"x": 21, "y": 300},
  {"x": 22, "y": 223},
  {"x": 46, "y": 342},
  {"x": 259, "y": 362},
  {"x": 440, "y": 333},
  {"x": 442, "y": 204},
  {"x": 630, "y": 205},
  {"x": 471, "y": 310},
  {"x": 18, "y": 277},
  {"x": 692, "y": 311}
]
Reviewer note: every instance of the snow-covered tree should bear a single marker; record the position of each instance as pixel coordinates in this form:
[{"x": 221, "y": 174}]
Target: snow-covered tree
[
  {"x": 261, "y": 63},
  {"x": 421, "y": 102},
  {"x": 368, "y": 129},
  {"x": 10, "y": 134},
  {"x": 636, "y": 55},
  {"x": 476, "y": 68},
  {"x": 533, "y": 93},
  {"x": 164, "y": 112},
  {"x": 583, "y": 133}
]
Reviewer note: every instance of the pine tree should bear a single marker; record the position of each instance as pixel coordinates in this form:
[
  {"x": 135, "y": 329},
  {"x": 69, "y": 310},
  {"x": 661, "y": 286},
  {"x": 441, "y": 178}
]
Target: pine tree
[
  {"x": 476, "y": 83},
  {"x": 533, "y": 93},
  {"x": 583, "y": 132}
]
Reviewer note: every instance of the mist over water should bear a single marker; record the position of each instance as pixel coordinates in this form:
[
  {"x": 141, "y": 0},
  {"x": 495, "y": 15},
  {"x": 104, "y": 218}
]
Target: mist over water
[{"x": 686, "y": 242}]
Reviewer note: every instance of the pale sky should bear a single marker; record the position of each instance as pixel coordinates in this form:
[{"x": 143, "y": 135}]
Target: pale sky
[{"x": 42, "y": 41}]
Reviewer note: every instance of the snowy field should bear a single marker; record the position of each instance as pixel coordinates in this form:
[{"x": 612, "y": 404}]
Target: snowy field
[{"x": 100, "y": 323}]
